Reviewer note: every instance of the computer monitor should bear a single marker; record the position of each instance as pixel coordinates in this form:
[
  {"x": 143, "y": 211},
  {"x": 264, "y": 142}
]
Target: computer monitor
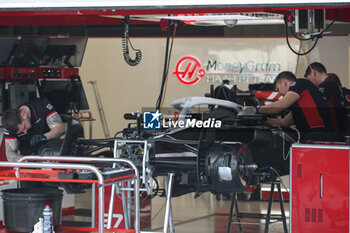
[
  {"x": 29, "y": 52},
  {"x": 64, "y": 52},
  {"x": 64, "y": 95},
  {"x": 20, "y": 94},
  {"x": 6, "y": 46}
]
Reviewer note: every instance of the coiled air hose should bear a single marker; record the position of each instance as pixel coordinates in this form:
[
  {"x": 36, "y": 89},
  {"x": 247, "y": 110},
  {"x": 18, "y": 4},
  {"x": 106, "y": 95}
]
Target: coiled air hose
[{"x": 126, "y": 42}]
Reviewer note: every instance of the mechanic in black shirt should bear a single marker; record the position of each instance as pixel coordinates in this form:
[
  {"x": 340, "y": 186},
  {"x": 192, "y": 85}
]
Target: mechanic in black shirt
[
  {"x": 28, "y": 126},
  {"x": 331, "y": 91},
  {"x": 308, "y": 110}
]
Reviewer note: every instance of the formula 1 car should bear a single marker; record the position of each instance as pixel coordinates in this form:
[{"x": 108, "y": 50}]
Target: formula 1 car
[
  {"x": 220, "y": 150},
  {"x": 217, "y": 157}
]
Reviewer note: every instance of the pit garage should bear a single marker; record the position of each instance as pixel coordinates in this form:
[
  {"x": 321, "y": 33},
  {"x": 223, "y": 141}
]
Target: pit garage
[{"x": 154, "y": 98}]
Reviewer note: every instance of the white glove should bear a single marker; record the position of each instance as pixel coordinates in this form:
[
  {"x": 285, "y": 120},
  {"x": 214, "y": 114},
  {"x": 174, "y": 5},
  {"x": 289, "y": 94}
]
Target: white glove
[{"x": 247, "y": 110}]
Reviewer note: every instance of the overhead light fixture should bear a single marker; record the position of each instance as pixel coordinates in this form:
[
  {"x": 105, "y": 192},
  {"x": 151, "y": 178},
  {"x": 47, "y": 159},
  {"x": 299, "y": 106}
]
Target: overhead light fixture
[{"x": 229, "y": 20}]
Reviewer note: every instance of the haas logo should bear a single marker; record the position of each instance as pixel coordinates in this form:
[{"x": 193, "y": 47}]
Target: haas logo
[{"x": 189, "y": 70}]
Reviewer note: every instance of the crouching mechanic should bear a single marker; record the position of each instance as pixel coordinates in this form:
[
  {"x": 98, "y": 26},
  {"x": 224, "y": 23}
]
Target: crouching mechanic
[
  {"x": 308, "y": 110},
  {"x": 28, "y": 126}
]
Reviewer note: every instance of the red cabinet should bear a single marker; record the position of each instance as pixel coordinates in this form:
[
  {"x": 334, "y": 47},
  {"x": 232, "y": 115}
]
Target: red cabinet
[{"x": 319, "y": 188}]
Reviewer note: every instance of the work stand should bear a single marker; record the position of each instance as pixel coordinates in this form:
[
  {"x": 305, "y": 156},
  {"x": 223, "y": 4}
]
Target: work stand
[
  {"x": 58, "y": 169},
  {"x": 168, "y": 225},
  {"x": 168, "y": 216},
  {"x": 268, "y": 216}
]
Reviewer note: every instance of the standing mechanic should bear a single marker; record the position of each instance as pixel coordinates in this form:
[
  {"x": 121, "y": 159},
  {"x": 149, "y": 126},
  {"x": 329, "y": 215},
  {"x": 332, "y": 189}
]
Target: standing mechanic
[
  {"x": 26, "y": 127},
  {"x": 329, "y": 87},
  {"x": 308, "y": 110}
]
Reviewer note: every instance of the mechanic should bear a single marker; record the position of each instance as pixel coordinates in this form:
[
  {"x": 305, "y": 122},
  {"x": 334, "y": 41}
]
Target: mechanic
[
  {"x": 308, "y": 110},
  {"x": 27, "y": 127},
  {"x": 331, "y": 91}
]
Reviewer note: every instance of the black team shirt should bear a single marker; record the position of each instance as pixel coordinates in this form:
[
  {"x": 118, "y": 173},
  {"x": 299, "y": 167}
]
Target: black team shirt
[
  {"x": 333, "y": 94},
  {"x": 310, "y": 112},
  {"x": 40, "y": 110}
]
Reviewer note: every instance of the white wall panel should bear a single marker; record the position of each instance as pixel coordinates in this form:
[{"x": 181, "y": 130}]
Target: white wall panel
[{"x": 125, "y": 88}]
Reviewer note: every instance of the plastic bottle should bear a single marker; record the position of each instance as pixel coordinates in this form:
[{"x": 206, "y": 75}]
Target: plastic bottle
[{"x": 48, "y": 225}]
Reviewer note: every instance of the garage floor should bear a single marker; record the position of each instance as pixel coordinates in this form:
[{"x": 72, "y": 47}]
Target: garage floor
[
  {"x": 208, "y": 215},
  {"x": 205, "y": 214}
]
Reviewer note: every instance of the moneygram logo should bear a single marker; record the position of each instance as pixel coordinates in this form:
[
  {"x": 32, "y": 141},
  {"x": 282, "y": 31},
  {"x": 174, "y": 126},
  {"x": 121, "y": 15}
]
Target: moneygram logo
[
  {"x": 152, "y": 120},
  {"x": 189, "y": 70}
]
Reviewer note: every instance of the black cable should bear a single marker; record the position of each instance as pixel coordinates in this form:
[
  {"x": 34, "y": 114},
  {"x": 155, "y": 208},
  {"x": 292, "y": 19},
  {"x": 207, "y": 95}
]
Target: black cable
[
  {"x": 302, "y": 39},
  {"x": 290, "y": 47},
  {"x": 312, "y": 37},
  {"x": 198, "y": 169},
  {"x": 155, "y": 190},
  {"x": 319, "y": 34},
  {"x": 159, "y": 100},
  {"x": 116, "y": 134},
  {"x": 335, "y": 19},
  {"x": 167, "y": 69},
  {"x": 125, "y": 42}
]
